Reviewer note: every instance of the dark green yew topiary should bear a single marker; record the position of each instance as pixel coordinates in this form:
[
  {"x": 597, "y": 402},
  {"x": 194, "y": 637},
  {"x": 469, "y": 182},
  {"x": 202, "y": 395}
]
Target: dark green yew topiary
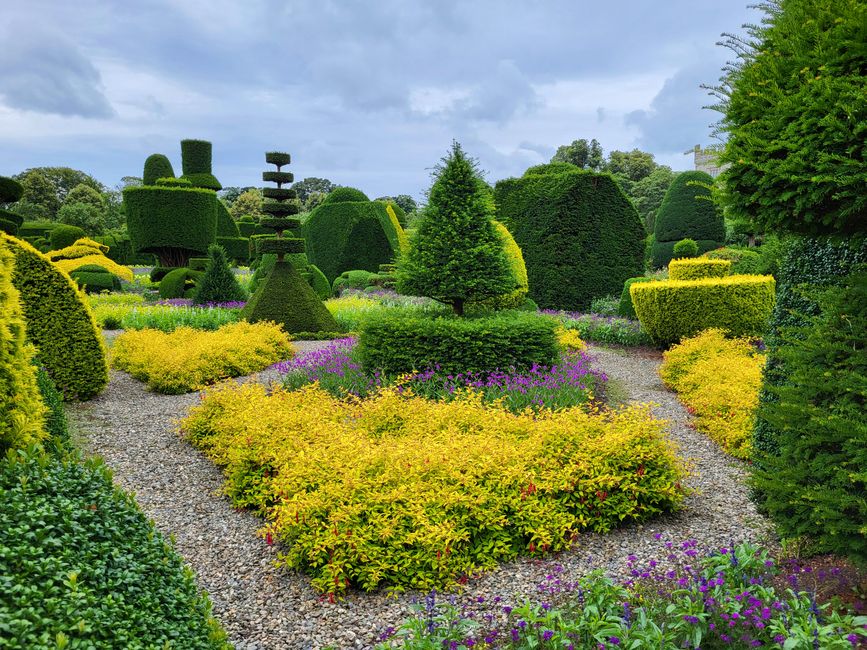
[
  {"x": 580, "y": 236},
  {"x": 687, "y": 212},
  {"x": 156, "y": 166},
  {"x": 179, "y": 283},
  {"x": 196, "y": 164},
  {"x": 626, "y": 308},
  {"x": 218, "y": 284},
  {"x": 63, "y": 236},
  {"x": 94, "y": 278},
  {"x": 10, "y": 191},
  {"x": 345, "y": 195}
]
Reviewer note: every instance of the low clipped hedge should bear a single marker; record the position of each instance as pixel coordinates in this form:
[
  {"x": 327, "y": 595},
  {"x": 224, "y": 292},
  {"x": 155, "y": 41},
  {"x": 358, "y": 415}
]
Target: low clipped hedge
[
  {"x": 696, "y": 268},
  {"x": 744, "y": 261},
  {"x": 94, "y": 278},
  {"x": 83, "y": 567},
  {"x": 414, "y": 493},
  {"x": 400, "y": 344},
  {"x": 670, "y": 310},
  {"x": 59, "y": 323}
]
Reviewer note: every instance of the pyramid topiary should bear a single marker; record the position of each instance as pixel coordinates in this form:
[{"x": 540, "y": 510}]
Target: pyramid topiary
[
  {"x": 687, "y": 212},
  {"x": 218, "y": 284},
  {"x": 284, "y": 296},
  {"x": 10, "y": 191}
]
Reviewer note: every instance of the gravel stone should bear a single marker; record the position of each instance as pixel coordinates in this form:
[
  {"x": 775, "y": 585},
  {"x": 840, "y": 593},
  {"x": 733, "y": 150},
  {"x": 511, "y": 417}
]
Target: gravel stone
[{"x": 261, "y": 606}]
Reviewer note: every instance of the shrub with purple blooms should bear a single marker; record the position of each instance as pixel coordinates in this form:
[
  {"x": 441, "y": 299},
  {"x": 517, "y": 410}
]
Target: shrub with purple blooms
[{"x": 687, "y": 599}]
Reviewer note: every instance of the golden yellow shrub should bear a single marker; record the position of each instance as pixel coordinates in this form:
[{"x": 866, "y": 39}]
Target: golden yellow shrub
[
  {"x": 188, "y": 359},
  {"x": 570, "y": 340},
  {"x": 718, "y": 379},
  {"x": 402, "y": 491}
]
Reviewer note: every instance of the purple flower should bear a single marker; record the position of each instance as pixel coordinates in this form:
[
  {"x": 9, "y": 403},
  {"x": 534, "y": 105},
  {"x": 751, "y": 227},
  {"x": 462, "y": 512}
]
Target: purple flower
[
  {"x": 614, "y": 640},
  {"x": 546, "y": 635}
]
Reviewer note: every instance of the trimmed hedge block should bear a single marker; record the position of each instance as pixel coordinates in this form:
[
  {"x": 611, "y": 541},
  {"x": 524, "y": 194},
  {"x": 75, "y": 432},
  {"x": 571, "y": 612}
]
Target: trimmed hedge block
[
  {"x": 63, "y": 236},
  {"x": 400, "y": 344},
  {"x": 670, "y": 310},
  {"x": 94, "y": 278},
  {"x": 280, "y": 209},
  {"x": 278, "y": 158},
  {"x": 237, "y": 248},
  {"x": 59, "y": 323},
  {"x": 693, "y": 268},
  {"x": 10, "y": 190},
  {"x": 172, "y": 182},
  {"x": 277, "y": 246},
  {"x": 280, "y": 223},
  {"x": 279, "y": 193},
  {"x": 625, "y": 308}
]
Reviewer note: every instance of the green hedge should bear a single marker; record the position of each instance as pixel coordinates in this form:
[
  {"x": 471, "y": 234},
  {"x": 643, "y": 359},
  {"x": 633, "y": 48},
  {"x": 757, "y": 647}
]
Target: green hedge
[
  {"x": 56, "y": 424},
  {"x": 346, "y": 236},
  {"x": 237, "y": 248},
  {"x": 396, "y": 344},
  {"x": 85, "y": 568},
  {"x": 355, "y": 279},
  {"x": 120, "y": 251},
  {"x": 346, "y": 195},
  {"x": 226, "y": 226},
  {"x": 156, "y": 166},
  {"x": 171, "y": 221},
  {"x": 744, "y": 261},
  {"x": 36, "y": 229},
  {"x": 63, "y": 236},
  {"x": 59, "y": 323},
  {"x": 692, "y": 268},
  {"x": 580, "y": 236},
  {"x": 196, "y": 164},
  {"x": 10, "y": 190},
  {"x": 173, "y": 182},
  {"x": 687, "y": 212},
  {"x": 94, "y": 278},
  {"x": 179, "y": 283},
  {"x": 625, "y": 308},
  {"x": 670, "y": 310},
  {"x": 278, "y": 246}
]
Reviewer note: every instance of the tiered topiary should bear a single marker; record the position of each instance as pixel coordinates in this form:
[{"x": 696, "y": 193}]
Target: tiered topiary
[
  {"x": 218, "y": 284},
  {"x": 284, "y": 296},
  {"x": 22, "y": 413},
  {"x": 580, "y": 236},
  {"x": 687, "y": 212},
  {"x": 10, "y": 191},
  {"x": 59, "y": 323},
  {"x": 350, "y": 232}
]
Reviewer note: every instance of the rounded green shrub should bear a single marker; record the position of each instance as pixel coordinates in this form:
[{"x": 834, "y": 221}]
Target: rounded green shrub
[
  {"x": 580, "y": 236},
  {"x": 625, "y": 308},
  {"x": 355, "y": 279},
  {"x": 687, "y": 211},
  {"x": 179, "y": 283},
  {"x": 156, "y": 167},
  {"x": 22, "y": 412},
  {"x": 218, "y": 284},
  {"x": 159, "y": 272},
  {"x": 63, "y": 236},
  {"x": 697, "y": 268},
  {"x": 94, "y": 278},
  {"x": 10, "y": 190},
  {"x": 196, "y": 164},
  {"x": 670, "y": 310},
  {"x": 237, "y": 248},
  {"x": 744, "y": 261},
  {"x": 59, "y": 323},
  {"x": 685, "y": 248},
  {"x": 346, "y": 195}
]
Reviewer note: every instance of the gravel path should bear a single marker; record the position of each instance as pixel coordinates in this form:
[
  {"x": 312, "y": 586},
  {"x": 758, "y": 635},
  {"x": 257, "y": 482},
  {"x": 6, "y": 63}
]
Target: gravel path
[{"x": 263, "y": 607}]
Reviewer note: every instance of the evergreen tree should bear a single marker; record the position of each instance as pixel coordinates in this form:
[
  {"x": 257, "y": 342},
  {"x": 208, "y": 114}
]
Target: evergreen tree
[
  {"x": 218, "y": 284},
  {"x": 456, "y": 256}
]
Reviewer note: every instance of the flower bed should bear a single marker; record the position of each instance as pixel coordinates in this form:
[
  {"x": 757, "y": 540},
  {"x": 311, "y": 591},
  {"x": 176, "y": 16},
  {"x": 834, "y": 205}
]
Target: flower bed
[
  {"x": 409, "y": 493},
  {"x": 602, "y": 329}
]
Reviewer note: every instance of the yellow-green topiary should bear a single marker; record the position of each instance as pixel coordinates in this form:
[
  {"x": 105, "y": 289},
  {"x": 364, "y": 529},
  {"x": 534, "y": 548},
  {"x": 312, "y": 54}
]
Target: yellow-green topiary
[
  {"x": 696, "y": 268},
  {"x": 22, "y": 412},
  {"x": 718, "y": 380},
  {"x": 670, "y": 310},
  {"x": 514, "y": 298},
  {"x": 86, "y": 252},
  {"x": 402, "y": 239},
  {"x": 59, "y": 323}
]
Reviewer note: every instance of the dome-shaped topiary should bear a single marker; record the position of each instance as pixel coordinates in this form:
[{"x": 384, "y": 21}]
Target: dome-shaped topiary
[
  {"x": 687, "y": 212},
  {"x": 59, "y": 323},
  {"x": 551, "y": 168},
  {"x": 93, "y": 278},
  {"x": 345, "y": 195},
  {"x": 156, "y": 167},
  {"x": 63, "y": 236}
]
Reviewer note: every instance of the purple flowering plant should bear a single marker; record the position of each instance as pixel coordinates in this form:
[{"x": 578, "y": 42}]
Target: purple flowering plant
[{"x": 602, "y": 329}]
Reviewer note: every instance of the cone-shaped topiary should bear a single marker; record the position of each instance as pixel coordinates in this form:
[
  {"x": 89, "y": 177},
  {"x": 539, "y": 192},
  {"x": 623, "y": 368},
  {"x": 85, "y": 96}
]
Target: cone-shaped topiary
[
  {"x": 22, "y": 413},
  {"x": 218, "y": 284},
  {"x": 59, "y": 323},
  {"x": 456, "y": 256},
  {"x": 284, "y": 296},
  {"x": 156, "y": 167},
  {"x": 687, "y": 212}
]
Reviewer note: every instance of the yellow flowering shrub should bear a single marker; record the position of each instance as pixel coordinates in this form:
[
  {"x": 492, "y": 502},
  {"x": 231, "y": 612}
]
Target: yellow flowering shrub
[
  {"x": 406, "y": 492},
  {"x": 188, "y": 359},
  {"x": 570, "y": 340},
  {"x": 85, "y": 252},
  {"x": 718, "y": 379}
]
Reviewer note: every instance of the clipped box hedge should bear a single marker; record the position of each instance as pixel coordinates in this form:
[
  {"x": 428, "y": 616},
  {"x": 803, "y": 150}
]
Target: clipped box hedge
[
  {"x": 696, "y": 268},
  {"x": 400, "y": 344},
  {"x": 670, "y": 310}
]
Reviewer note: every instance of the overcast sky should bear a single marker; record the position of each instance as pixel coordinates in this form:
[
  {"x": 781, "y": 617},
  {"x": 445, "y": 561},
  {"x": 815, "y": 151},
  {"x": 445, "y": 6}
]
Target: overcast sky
[{"x": 368, "y": 94}]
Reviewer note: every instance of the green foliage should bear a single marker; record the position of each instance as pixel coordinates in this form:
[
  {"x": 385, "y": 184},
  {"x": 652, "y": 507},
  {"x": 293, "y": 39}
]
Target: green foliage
[
  {"x": 40, "y": 194},
  {"x": 583, "y": 154},
  {"x": 237, "y": 248},
  {"x": 355, "y": 279},
  {"x": 796, "y": 119},
  {"x": 85, "y": 194},
  {"x": 691, "y": 268},
  {"x": 625, "y": 308},
  {"x": 348, "y": 235},
  {"x": 179, "y": 283},
  {"x": 630, "y": 165},
  {"x": 744, "y": 261},
  {"x": 56, "y": 426},
  {"x": 196, "y": 164},
  {"x": 94, "y": 278},
  {"x": 396, "y": 344},
  {"x": 173, "y": 223},
  {"x": 277, "y": 158},
  {"x": 670, "y": 310},
  {"x": 173, "y": 182},
  {"x": 317, "y": 280},
  {"x": 814, "y": 486},
  {"x": 456, "y": 255},
  {"x": 10, "y": 190},
  {"x": 22, "y": 412},
  {"x": 36, "y": 229},
  {"x": 156, "y": 166},
  {"x": 312, "y": 185},
  {"x": 225, "y": 224},
  {"x": 687, "y": 211},
  {"x": 648, "y": 194},
  {"x": 345, "y": 195},
  {"x": 247, "y": 203},
  {"x": 685, "y": 248},
  {"x": 580, "y": 236},
  {"x": 59, "y": 323},
  {"x": 84, "y": 566},
  {"x": 65, "y": 235},
  {"x": 515, "y": 298},
  {"x": 89, "y": 219},
  {"x": 285, "y": 298},
  {"x": 218, "y": 284}
]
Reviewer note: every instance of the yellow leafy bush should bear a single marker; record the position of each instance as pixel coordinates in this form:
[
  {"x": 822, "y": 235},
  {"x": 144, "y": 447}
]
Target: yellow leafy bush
[
  {"x": 718, "y": 379},
  {"x": 696, "y": 268},
  {"x": 402, "y": 491},
  {"x": 84, "y": 252},
  {"x": 570, "y": 340},
  {"x": 188, "y": 359}
]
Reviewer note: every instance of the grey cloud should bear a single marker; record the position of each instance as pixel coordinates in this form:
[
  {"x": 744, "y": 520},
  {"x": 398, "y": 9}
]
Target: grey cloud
[
  {"x": 45, "y": 73},
  {"x": 500, "y": 96}
]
